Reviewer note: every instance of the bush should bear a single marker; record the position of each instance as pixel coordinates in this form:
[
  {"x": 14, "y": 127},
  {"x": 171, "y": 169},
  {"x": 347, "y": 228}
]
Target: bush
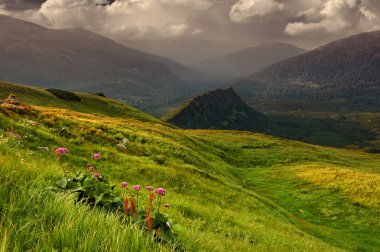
[
  {"x": 100, "y": 94},
  {"x": 64, "y": 95}
]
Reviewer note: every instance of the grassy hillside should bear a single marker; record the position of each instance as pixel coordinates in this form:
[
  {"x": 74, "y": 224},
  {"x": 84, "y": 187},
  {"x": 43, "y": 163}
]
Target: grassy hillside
[
  {"x": 88, "y": 104},
  {"x": 230, "y": 190}
]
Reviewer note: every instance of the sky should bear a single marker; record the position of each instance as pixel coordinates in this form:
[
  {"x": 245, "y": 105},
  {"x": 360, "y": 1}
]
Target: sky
[{"x": 192, "y": 30}]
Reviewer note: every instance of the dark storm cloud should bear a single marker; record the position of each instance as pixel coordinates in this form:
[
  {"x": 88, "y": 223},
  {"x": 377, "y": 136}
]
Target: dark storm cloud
[
  {"x": 185, "y": 29},
  {"x": 22, "y": 4}
]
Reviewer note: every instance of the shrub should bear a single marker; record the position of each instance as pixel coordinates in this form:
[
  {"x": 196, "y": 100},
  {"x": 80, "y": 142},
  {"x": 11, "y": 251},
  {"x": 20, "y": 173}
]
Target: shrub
[
  {"x": 100, "y": 94},
  {"x": 64, "y": 95}
]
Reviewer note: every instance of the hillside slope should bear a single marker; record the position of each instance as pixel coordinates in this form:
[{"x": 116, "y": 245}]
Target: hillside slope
[
  {"x": 218, "y": 109},
  {"x": 81, "y": 60},
  {"x": 340, "y": 75},
  {"x": 246, "y": 61},
  {"x": 88, "y": 104},
  {"x": 230, "y": 190}
]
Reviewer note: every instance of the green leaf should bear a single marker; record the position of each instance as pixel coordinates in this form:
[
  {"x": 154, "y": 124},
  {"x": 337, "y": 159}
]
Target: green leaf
[
  {"x": 167, "y": 234},
  {"x": 88, "y": 183},
  {"x": 74, "y": 186},
  {"x": 178, "y": 229},
  {"x": 107, "y": 198},
  {"x": 160, "y": 218},
  {"x": 81, "y": 177},
  {"x": 62, "y": 183},
  {"x": 99, "y": 198}
]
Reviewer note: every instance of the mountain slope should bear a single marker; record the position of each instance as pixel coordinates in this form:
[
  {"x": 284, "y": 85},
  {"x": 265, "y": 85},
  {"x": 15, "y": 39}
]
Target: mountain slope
[
  {"x": 88, "y": 104},
  {"x": 81, "y": 60},
  {"x": 231, "y": 190},
  {"x": 218, "y": 109},
  {"x": 342, "y": 74},
  {"x": 242, "y": 62}
]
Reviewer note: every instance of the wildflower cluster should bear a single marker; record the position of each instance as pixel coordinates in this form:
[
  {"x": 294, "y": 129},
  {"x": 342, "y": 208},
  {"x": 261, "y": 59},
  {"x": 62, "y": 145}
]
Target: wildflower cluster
[
  {"x": 92, "y": 187},
  {"x": 150, "y": 217}
]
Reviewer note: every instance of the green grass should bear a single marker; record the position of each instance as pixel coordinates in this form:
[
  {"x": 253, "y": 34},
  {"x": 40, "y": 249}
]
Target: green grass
[{"x": 230, "y": 190}]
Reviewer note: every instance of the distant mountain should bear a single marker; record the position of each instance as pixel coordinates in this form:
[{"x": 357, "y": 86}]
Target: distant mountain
[
  {"x": 243, "y": 62},
  {"x": 218, "y": 109},
  {"x": 344, "y": 75},
  {"x": 81, "y": 60}
]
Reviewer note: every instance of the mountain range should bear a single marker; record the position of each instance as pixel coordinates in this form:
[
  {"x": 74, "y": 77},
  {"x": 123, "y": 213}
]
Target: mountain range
[
  {"x": 245, "y": 61},
  {"x": 341, "y": 75},
  {"x": 82, "y": 60}
]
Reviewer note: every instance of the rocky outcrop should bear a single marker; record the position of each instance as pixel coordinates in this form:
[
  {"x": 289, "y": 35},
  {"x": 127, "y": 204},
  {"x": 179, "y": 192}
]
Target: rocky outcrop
[{"x": 12, "y": 100}]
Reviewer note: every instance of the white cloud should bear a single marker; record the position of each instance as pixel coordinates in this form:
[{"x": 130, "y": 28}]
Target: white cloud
[
  {"x": 174, "y": 30},
  {"x": 171, "y": 27},
  {"x": 332, "y": 16},
  {"x": 244, "y": 9},
  {"x": 137, "y": 19},
  {"x": 190, "y": 4},
  {"x": 196, "y": 32}
]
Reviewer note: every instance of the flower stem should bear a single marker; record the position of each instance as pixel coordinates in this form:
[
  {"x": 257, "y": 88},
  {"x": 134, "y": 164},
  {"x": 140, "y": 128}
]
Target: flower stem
[
  {"x": 64, "y": 171},
  {"x": 137, "y": 202},
  {"x": 158, "y": 207},
  {"x": 72, "y": 168}
]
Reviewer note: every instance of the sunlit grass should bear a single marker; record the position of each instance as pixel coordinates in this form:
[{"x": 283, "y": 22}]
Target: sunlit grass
[{"x": 361, "y": 187}]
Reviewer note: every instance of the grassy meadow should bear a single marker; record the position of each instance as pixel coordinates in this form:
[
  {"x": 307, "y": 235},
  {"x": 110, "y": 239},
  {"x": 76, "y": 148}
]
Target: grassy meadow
[{"x": 230, "y": 190}]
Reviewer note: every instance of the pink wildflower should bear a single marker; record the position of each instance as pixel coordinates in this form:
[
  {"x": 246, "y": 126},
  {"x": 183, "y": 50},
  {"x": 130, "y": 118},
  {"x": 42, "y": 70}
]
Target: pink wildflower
[
  {"x": 136, "y": 188},
  {"x": 96, "y": 156},
  {"x": 61, "y": 151},
  {"x": 96, "y": 175},
  {"x": 91, "y": 168},
  {"x": 160, "y": 191},
  {"x": 123, "y": 184},
  {"x": 149, "y": 188},
  {"x": 167, "y": 205}
]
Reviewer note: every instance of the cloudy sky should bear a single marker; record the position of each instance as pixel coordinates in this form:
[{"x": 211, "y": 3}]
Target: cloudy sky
[{"x": 191, "y": 30}]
